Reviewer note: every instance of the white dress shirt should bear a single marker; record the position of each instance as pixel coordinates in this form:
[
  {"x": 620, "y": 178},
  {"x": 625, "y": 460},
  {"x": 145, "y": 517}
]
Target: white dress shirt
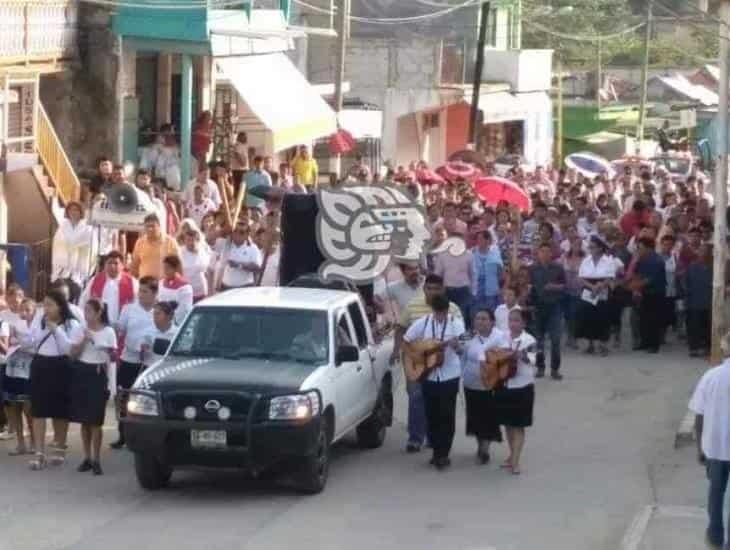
[
  {"x": 195, "y": 268},
  {"x": 710, "y": 399},
  {"x": 110, "y": 296},
  {"x": 428, "y": 328},
  {"x": 135, "y": 323},
  {"x": 605, "y": 268},
  {"x": 475, "y": 352},
  {"x": 235, "y": 277}
]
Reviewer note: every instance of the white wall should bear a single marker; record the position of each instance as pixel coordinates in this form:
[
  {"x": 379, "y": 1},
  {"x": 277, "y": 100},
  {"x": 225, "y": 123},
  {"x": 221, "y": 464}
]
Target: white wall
[{"x": 523, "y": 70}]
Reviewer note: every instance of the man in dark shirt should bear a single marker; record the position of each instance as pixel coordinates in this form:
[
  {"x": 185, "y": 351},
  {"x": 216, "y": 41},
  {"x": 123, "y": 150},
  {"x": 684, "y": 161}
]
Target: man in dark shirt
[
  {"x": 653, "y": 284},
  {"x": 548, "y": 281}
]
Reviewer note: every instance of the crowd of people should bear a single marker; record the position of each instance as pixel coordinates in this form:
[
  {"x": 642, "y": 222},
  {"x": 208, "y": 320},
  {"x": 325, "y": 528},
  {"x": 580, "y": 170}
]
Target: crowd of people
[{"x": 591, "y": 255}]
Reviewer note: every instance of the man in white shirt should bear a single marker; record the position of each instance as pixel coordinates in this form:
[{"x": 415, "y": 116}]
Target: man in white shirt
[
  {"x": 210, "y": 188},
  {"x": 135, "y": 324},
  {"x": 441, "y": 385},
  {"x": 113, "y": 287},
  {"x": 711, "y": 405},
  {"x": 241, "y": 261}
]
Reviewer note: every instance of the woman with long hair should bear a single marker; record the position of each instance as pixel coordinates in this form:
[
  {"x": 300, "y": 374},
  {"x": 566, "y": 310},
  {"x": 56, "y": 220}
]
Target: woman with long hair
[
  {"x": 50, "y": 376},
  {"x": 89, "y": 393},
  {"x": 481, "y": 421}
]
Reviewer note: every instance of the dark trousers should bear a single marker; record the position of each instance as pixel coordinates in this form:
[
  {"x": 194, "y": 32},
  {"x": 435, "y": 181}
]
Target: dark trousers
[
  {"x": 548, "y": 323},
  {"x": 699, "y": 325},
  {"x": 461, "y": 296},
  {"x": 718, "y": 472},
  {"x": 127, "y": 374},
  {"x": 440, "y": 401},
  {"x": 650, "y": 322}
]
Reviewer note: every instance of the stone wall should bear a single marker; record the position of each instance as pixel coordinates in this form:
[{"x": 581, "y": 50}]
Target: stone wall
[{"x": 83, "y": 102}]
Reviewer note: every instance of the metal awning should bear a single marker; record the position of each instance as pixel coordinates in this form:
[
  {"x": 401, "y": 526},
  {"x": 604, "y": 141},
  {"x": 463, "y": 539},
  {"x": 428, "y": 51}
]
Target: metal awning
[{"x": 278, "y": 99}]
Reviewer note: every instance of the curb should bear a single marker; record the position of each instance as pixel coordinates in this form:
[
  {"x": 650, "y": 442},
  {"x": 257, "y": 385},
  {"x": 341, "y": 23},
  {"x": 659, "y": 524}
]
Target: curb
[{"x": 685, "y": 435}]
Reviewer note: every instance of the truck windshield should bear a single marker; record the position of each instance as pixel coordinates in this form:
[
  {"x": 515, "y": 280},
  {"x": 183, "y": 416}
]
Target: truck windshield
[{"x": 266, "y": 333}]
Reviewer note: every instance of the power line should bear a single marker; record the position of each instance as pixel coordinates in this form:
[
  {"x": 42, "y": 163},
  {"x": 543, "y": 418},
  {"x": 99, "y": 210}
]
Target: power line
[
  {"x": 583, "y": 38},
  {"x": 392, "y": 20}
]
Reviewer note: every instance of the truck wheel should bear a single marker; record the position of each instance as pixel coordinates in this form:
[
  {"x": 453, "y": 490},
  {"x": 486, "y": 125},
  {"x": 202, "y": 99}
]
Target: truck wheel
[
  {"x": 151, "y": 474},
  {"x": 315, "y": 469},
  {"x": 371, "y": 433}
]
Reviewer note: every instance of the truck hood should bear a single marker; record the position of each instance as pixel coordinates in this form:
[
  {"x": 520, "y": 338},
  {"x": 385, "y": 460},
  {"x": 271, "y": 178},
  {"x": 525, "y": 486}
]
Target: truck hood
[{"x": 248, "y": 374}]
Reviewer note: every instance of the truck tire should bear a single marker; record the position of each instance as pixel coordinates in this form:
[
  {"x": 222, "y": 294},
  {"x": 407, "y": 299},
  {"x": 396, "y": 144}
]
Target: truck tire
[
  {"x": 151, "y": 474},
  {"x": 314, "y": 472},
  {"x": 371, "y": 433}
]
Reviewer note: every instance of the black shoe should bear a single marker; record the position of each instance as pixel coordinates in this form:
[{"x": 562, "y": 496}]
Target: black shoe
[
  {"x": 555, "y": 375},
  {"x": 118, "y": 444},
  {"x": 540, "y": 372},
  {"x": 712, "y": 543},
  {"x": 85, "y": 466},
  {"x": 442, "y": 463},
  {"x": 96, "y": 468},
  {"x": 432, "y": 462},
  {"x": 639, "y": 348},
  {"x": 483, "y": 457},
  {"x": 412, "y": 448}
]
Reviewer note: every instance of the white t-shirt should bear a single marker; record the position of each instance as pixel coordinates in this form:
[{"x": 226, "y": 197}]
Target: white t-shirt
[
  {"x": 198, "y": 211},
  {"x": 501, "y": 316},
  {"x": 135, "y": 323},
  {"x": 606, "y": 268},
  {"x": 475, "y": 353},
  {"x": 97, "y": 351},
  {"x": 427, "y": 328},
  {"x": 56, "y": 344},
  {"x": 710, "y": 399},
  {"x": 150, "y": 358},
  {"x": 195, "y": 268},
  {"x": 525, "y": 374},
  {"x": 246, "y": 253}
]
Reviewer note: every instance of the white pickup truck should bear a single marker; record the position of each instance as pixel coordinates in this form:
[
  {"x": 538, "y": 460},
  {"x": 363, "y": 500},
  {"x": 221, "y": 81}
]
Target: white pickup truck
[{"x": 261, "y": 379}]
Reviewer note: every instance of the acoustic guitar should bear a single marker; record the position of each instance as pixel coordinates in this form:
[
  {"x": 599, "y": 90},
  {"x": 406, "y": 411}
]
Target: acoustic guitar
[
  {"x": 500, "y": 366},
  {"x": 421, "y": 357}
]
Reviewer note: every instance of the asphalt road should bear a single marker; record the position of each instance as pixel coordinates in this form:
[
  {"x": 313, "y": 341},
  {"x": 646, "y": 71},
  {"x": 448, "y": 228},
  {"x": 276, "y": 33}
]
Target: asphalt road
[{"x": 590, "y": 467}]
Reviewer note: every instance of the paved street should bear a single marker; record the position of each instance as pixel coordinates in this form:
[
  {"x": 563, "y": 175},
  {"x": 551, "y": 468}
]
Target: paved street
[{"x": 600, "y": 453}]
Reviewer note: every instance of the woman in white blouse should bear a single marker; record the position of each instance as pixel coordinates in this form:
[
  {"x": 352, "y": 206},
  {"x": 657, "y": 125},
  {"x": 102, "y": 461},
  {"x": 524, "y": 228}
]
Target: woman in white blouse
[
  {"x": 72, "y": 246},
  {"x": 50, "y": 338},
  {"x": 596, "y": 275},
  {"x": 92, "y": 348},
  {"x": 195, "y": 258},
  {"x": 481, "y": 420},
  {"x": 164, "y": 329},
  {"x": 515, "y": 402}
]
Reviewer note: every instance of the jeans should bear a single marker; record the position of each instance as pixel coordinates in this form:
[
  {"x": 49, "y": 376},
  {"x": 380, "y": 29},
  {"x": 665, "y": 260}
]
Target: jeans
[
  {"x": 717, "y": 473},
  {"x": 461, "y": 296},
  {"x": 416, "y": 413},
  {"x": 440, "y": 400},
  {"x": 548, "y": 321}
]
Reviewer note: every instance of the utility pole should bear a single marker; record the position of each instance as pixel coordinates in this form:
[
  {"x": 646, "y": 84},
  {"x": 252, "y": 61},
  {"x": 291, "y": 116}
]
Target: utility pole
[
  {"x": 343, "y": 13},
  {"x": 476, "y": 88},
  {"x": 599, "y": 78},
  {"x": 720, "y": 192},
  {"x": 559, "y": 144},
  {"x": 644, "y": 79}
]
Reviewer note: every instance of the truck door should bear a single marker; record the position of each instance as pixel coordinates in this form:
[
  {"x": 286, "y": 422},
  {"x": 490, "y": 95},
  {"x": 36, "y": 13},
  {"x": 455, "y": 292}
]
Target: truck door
[
  {"x": 348, "y": 383},
  {"x": 369, "y": 383}
]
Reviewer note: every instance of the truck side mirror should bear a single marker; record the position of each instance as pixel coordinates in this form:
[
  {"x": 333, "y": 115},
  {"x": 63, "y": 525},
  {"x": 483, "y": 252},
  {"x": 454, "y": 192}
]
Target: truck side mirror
[
  {"x": 346, "y": 354},
  {"x": 160, "y": 346}
]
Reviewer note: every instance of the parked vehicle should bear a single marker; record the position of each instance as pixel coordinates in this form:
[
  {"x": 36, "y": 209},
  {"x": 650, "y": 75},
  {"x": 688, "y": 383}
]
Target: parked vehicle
[{"x": 262, "y": 379}]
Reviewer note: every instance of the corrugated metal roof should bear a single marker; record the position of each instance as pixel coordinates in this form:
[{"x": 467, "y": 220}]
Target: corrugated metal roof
[{"x": 680, "y": 85}]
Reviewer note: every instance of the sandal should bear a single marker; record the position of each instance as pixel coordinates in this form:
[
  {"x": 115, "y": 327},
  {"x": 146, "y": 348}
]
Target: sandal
[
  {"x": 57, "y": 458},
  {"x": 516, "y": 471},
  {"x": 38, "y": 463},
  {"x": 20, "y": 451}
]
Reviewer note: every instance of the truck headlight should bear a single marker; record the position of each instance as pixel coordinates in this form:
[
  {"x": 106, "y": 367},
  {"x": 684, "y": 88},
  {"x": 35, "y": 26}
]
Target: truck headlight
[
  {"x": 294, "y": 407},
  {"x": 143, "y": 404}
]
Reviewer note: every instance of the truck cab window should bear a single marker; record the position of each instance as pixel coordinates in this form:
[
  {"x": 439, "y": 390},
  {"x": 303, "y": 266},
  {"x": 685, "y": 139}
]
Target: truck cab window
[
  {"x": 359, "y": 323},
  {"x": 343, "y": 332}
]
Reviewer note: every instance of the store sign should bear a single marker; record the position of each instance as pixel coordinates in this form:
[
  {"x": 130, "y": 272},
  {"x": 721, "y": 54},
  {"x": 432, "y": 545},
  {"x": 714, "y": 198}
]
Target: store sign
[{"x": 27, "y": 115}]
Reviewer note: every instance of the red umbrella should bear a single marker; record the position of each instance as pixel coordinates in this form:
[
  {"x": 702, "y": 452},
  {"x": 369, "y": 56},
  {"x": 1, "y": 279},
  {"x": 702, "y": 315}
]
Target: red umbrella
[
  {"x": 493, "y": 190},
  {"x": 341, "y": 142},
  {"x": 458, "y": 170},
  {"x": 426, "y": 176}
]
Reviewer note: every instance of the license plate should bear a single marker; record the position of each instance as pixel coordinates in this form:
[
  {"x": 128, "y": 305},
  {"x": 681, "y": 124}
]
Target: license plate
[{"x": 208, "y": 439}]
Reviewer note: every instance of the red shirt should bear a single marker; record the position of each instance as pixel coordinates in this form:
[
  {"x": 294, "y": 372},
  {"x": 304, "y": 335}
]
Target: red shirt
[{"x": 631, "y": 220}]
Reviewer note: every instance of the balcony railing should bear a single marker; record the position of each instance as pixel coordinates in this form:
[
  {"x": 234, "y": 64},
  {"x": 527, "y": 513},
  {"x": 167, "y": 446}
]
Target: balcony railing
[{"x": 33, "y": 30}]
